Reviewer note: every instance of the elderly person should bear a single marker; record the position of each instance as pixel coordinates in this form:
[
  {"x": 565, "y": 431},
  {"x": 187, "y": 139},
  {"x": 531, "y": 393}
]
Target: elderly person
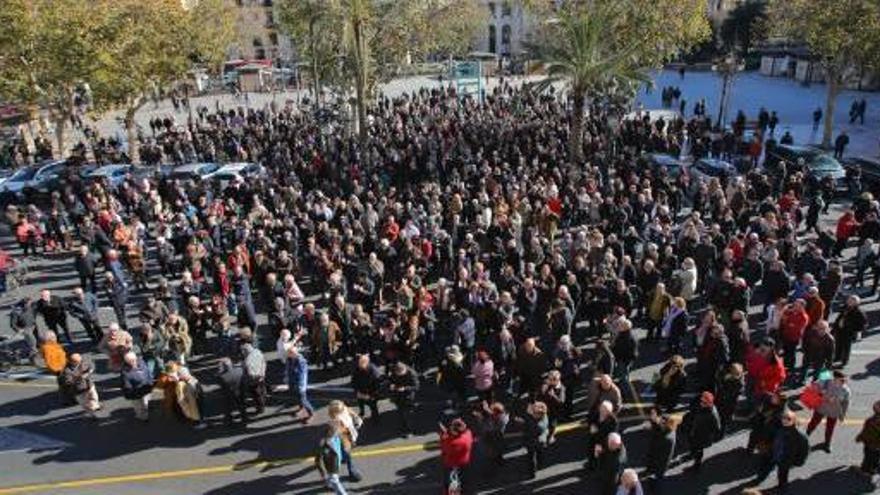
[
  {"x": 137, "y": 385},
  {"x": 115, "y": 344},
  {"x": 77, "y": 378}
]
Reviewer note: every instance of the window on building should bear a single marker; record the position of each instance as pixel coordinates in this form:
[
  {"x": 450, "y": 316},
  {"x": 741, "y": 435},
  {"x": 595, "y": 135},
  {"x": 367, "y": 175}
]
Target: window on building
[
  {"x": 270, "y": 18},
  {"x": 260, "y": 53},
  {"x": 505, "y": 8},
  {"x": 492, "y": 9},
  {"x": 267, "y": 3},
  {"x": 258, "y": 42},
  {"x": 492, "y": 36},
  {"x": 273, "y": 39},
  {"x": 505, "y": 34}
]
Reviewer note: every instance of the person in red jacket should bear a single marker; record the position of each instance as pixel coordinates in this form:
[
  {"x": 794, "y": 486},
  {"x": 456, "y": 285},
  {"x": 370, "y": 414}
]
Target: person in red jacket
[
  {"x": 846, "y": 228},
  {"x": 815, "y": 306},
  {"x": 456, "y": 444},
  {"x": 792, "y": 326},
  {"x": 766, "y": 371}
]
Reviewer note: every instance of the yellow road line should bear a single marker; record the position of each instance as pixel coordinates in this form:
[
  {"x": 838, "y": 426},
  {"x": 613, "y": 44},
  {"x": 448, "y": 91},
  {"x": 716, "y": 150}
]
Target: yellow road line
[
  {"x": 265, "y": 463},
  {"x": 26, "y": 384}
]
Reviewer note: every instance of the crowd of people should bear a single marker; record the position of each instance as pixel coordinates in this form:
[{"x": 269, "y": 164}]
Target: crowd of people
[{"x": 459, "y": 244}]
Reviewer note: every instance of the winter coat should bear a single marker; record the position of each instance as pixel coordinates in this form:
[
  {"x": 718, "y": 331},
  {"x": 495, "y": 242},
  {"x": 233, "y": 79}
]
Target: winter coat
[
  {"x": 596, "y": 395},
  {"x": 702, "y": 426},
  {"x": 818, "y": 349},
  {"x": 136, "y": 381},
  {"x": 870, "y": 434},
  {"x": 766, "y": 375},
  {"x": 661, "y": 447},
  {"x": 792, "y": 325},
  {"x": 790, "y": 447}
]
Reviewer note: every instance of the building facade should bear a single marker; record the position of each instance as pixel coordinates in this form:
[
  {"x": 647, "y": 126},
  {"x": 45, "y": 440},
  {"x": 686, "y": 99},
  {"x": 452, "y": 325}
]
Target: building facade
[
  {"x": 507, "y": 28},
  {"x": 259, "y": 34}
]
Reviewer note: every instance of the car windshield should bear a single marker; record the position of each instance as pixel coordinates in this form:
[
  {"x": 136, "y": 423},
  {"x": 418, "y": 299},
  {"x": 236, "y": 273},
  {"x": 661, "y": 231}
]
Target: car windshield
[{"x": 24, "y": 174}]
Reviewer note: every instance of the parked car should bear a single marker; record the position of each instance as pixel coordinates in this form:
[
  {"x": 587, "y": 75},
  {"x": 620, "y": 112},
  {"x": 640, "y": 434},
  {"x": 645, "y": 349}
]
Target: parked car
[
  {"x": 114, "y": 174},
  {"x": 814, "y": 162},
  {"x": 709, "y": 168},
  {"x": 29, "y": 181},
  {"x": 673, "y": 166},
  {"x": 191, "y": 171},
  {"x": 237, "y": 171}
]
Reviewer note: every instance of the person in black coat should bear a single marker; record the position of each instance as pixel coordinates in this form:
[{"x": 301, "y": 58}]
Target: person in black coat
[
  {"x": 625, "y": 349},
  {"x": 661, "y": 447},
  {"x": 791, "y": 447},
  {"x": 85, "y": 268},
  {"x": 702, "y": 426},
  {"x": 403, "y": 384},
  {"x": 366, "y": 380},
  {"x": 611, "y": 462},
  {"x": 230, "y": 377},
  {"x": 84, "y": 307},
  {"x": 137, "y": 384},
  {"x": 670, "y": 383},
  {"x": 54, "y": 313},
  {"x": 729, "y": 386},
  {"x": 849, "y": 326},
  {"x": 117, "y": 292}
]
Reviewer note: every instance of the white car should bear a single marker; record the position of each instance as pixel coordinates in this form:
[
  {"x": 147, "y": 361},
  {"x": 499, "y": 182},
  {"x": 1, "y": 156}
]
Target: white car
[
  {"x": 232, "y": 172},
  {"x": 192, "y": 170}
]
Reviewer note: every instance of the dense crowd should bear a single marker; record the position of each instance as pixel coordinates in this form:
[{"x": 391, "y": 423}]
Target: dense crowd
[{"x": 459, "y": 244}]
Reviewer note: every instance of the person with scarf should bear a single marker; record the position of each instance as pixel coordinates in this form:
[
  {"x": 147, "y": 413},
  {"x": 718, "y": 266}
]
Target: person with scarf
[{"x": 674, "y": 326}]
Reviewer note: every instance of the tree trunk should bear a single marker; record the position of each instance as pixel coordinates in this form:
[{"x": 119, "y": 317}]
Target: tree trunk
[
  {"x": 830, "y": 103},
  {"x": 134, "y": 154},
  {"x": 360, "y": 80},
  {"x": 316, "y": 80},
  {"x": 576, "y": 140}
]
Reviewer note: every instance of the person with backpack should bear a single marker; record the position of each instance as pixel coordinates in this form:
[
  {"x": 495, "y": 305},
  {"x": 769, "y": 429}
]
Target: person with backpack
[
  {"x": 328, "y": 459},
  {"x": 790, "y": 449}
]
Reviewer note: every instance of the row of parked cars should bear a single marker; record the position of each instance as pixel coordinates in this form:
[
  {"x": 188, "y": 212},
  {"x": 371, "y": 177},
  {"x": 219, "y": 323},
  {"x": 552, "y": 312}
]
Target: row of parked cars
[
  {"x": 812, "y": 161},
  {"x": 41, "y": 179}
]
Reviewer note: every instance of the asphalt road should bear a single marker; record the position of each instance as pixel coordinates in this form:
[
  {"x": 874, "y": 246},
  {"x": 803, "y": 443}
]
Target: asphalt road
[{"x": 45, "y": 448}]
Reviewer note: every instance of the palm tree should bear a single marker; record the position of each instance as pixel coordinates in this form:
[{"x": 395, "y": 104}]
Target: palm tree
[{"x": 582, "y": 49}]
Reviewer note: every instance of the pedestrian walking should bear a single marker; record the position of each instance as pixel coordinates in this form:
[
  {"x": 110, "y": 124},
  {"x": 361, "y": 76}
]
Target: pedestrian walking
[
  {"x": 351, "y": 424},
  {"x": 612, "y": 461},
  {"x": 84, "y": 307},
  {"x": 790, "y": 449},
  {"x": 869, "y": 437},
  {"x": 255, "y": 376},
  {"x": 231, "y": 378},
  {"x": 629, "y": 483},
  {"x": 702, "y": 427},
  {"x": 54, "y": 313},
  {"x": 835, "y": 402},
  {"x": 328, "y": 459},
  {"x": 456, "y": 445},
  {"x": 366, "y": 380},
  {"x": 77, "y": 377},
  {"x": 403, "y": 384},
  {"x": 848, "y": 327},
  {"x": 661, "y": 447},
  {"x": 298, "y": 382}
]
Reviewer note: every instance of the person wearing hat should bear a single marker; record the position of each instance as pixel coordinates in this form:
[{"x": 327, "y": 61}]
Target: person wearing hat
[
  {"x": 452, "y": 375},
  {"x": 702, "y": 426}
]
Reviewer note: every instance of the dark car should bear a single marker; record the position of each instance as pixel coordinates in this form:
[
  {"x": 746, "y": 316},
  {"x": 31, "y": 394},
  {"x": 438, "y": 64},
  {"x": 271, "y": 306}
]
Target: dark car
[
  {"x": 814, "y": 162},
  {"x": 672, "y": 165}
]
